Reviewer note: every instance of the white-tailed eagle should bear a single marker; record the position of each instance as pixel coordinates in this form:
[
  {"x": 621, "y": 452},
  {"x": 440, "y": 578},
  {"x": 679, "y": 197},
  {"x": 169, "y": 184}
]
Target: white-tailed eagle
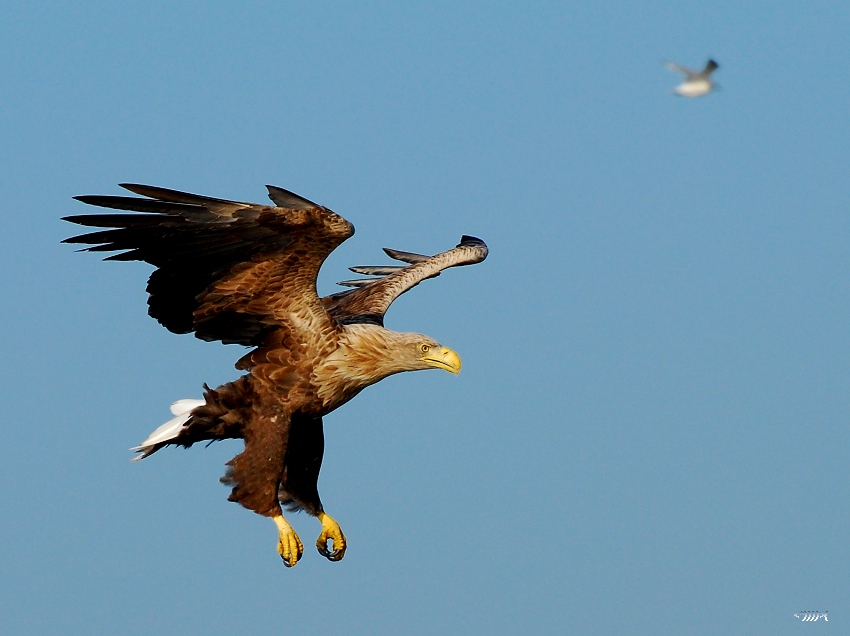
[{"x": 246, "y": 273}]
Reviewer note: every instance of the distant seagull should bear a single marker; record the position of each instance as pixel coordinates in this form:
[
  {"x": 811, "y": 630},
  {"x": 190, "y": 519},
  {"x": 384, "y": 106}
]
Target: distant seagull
[{"x": 696, "y": 83}]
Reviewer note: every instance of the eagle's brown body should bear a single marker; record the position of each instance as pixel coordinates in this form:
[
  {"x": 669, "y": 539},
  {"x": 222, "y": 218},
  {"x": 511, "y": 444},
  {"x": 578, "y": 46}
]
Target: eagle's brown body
[{"x": 246, "y": 273}]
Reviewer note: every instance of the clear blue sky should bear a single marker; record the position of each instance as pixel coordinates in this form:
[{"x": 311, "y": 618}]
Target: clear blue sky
[{"x": 650, "y": 434}]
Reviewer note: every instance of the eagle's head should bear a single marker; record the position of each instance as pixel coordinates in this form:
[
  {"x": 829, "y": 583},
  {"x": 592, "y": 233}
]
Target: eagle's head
[
  {"x": 385, "y": 352},
  {"x": 368, "y": 353},
  {"x": 418, "y": 352}
]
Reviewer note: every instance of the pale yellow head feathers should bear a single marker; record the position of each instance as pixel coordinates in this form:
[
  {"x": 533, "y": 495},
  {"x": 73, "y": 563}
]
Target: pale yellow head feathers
[{"x": 368, "y": 353}]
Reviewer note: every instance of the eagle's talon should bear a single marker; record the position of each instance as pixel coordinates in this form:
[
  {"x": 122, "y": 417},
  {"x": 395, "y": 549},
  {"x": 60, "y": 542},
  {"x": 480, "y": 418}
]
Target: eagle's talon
[
  {"x": 290, "y": 549},
  {"x": 289, "y": 546},
  {"x": 330, "y": 532},
  {"x": 331, "y": 555}
]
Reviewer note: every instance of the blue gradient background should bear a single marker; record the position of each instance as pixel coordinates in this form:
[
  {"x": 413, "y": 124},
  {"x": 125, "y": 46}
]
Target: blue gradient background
[{"x": 650, "y": 434}]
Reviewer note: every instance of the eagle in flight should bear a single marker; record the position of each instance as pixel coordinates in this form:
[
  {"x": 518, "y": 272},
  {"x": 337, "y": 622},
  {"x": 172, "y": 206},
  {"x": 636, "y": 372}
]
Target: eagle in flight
[{"x": 245, "y": 273}]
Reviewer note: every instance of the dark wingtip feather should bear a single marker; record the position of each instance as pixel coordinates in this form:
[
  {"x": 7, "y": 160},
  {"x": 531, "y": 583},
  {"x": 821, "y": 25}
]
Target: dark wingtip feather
[
  {"x": 286, "y": 199},
  {"x": 377, "y": 270},
  {"x": 135, "y": 204},
  {"x": 132, "y": 187},
  {"x": 405, "y": 257},
  {"x": 118, "y": 220},
  {"x": 360, "y": 282},
  {"x": 469, "y": 241},
  {"x": 169, "y": 195}
]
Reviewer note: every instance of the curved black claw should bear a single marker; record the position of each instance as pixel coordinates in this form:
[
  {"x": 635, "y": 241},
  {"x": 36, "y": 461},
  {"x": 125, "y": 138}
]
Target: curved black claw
[
  {"x": 331, "y": 532},
  {"x": 330, "y": 555}
]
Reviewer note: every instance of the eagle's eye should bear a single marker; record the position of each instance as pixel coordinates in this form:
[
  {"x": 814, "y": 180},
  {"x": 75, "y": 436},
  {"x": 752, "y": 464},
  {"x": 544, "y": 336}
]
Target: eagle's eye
[{"x": 424, "y": 348}]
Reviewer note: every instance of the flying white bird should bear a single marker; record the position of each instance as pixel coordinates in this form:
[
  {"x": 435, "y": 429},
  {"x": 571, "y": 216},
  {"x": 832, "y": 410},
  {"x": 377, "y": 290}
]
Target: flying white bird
[{"x": 696, "y": 83}]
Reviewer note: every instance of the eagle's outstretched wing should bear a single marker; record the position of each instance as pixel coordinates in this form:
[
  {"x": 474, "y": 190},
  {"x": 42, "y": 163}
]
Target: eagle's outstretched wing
[
  {"x": 226, "y": 270},
  {"x": 373, "y": 296}
]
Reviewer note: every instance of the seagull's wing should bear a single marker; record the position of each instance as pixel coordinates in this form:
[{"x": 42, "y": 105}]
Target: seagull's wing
[
  {"x": 688, "y": 73},
  {"x": 710, "y": 67}
]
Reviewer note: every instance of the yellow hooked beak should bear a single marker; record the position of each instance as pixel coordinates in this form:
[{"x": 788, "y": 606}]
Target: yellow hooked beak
[{"x": 443, "y": 358}]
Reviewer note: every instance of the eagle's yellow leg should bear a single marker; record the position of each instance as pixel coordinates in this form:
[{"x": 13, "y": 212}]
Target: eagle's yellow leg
[
  {"x": 289, "y": 546},
  {"x": 332, "y": 531}
]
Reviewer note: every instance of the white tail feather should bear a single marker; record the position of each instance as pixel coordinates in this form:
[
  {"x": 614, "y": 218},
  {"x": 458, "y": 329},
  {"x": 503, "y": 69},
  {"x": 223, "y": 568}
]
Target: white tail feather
[
  {"x": 184, "y": 406},
  {"x": 171, "y": 429}
]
